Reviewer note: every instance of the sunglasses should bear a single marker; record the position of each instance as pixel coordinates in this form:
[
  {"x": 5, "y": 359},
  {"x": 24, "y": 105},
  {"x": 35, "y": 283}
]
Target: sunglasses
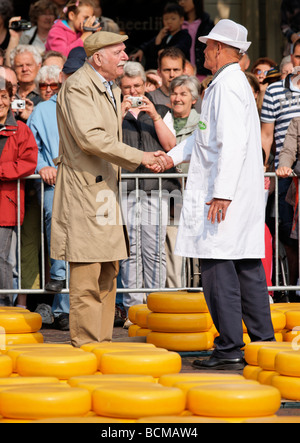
[
  {"x": 45, "y": 86},
  {"x": 259, "y": 72}
]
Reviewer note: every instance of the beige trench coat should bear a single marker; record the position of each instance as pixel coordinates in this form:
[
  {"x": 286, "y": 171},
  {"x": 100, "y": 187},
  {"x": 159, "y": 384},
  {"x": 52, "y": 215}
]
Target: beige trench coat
[{"x": 87, "y": 225}]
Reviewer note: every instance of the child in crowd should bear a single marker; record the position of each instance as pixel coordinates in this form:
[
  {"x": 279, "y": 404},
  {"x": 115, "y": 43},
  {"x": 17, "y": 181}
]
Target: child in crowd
[
  {"x": 171, "y": 35},
  {"x": 68, "y": 33}
]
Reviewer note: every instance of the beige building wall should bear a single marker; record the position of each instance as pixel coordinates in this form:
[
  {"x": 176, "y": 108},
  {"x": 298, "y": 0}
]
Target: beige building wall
[{"x": 261, "y": 18}]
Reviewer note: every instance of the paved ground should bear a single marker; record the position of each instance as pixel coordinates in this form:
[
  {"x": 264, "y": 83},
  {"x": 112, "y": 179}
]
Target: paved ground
[{"x": 54, "y": 336}]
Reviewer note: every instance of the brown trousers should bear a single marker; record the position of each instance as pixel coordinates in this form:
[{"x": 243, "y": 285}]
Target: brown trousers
[{"x": 93, "y": 289}]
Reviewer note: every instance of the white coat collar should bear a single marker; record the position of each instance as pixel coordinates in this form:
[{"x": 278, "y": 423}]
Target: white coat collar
[{"x": 224, "y": 71}]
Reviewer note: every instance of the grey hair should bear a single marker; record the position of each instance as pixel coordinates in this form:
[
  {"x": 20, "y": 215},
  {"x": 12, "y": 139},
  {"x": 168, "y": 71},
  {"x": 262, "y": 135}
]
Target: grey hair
[
  {"x": 134, "y": 69},
  {"x": 192, "y": 83},
  {"x": 21, "y": 49},
  {"x": 48, "y": 73}
]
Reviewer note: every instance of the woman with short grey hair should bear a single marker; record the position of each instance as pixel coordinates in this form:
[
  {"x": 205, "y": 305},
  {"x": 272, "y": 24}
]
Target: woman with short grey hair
[
  {"x": 48, "y": 81},
  {"x": 191, "y": 83}
]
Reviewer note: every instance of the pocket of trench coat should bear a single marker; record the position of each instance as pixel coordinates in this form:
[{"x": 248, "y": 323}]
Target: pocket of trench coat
[{"x": 99, "y": 202}]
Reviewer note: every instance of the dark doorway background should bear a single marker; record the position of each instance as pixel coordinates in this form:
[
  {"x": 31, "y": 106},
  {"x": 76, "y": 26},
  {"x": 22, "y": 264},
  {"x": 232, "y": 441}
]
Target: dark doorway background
[{"x": 139, "y": 19}]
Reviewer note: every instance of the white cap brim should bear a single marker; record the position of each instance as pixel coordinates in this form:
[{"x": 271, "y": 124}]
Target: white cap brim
[{"x": 242, "y": 46}]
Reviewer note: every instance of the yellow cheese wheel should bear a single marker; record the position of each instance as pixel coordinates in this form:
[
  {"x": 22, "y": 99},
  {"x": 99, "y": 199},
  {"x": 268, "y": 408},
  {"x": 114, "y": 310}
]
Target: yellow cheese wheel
[
  {"x": 273, "y": 420},
  {"x": 289, "y": 387},
  {"x": 143, "y": 363},
  {"x": 202, "y": 341},
  {"x": 14, "y": 339},
  {"x": 132, "y": 330},
  {"x": 186, "y": 386},
  {"x": 251, "y": 350},
  {"x": 266, "y": 377},
  {"x": 20, "y": 323},
  {"x": 76, "y": 420},
  {"x": 266, "y": 356},
  {"x": 170, "y": 380},
  {"x": 34, "y": 402},
  {"x": 284, "y": 307},
  {"x": 116, "y": 378},
  {"x": 251, "y": 372},
  {"x": 177, "y": 302},
  {"x": 142, "y": 332},
  {"x": 288, "y": 363},
  {"x": 194, "y": 322},
  {"x": 18, "y": 381},
  {"x": 292, "y": 319},
  {"x": 91, "y": 386},
  {"x": 12, "y": 309},
  {"x": 178, "y": 419},
  {"x": 234, "y": 400},
  {"x": 35, "y": 346},
  {"x": 62, "y": 364},
  {"x": 141, "y": 317},
  {"x": 278, "y": 320},
  {"x": 6, "y": 366},
  {"x": 91, "y": 346},
  {"x": 136, "y": 401},
  {"x": 133, "y": 310},
  {"x": 16, "y": 351},
  {"x": 291, "y": 336},
  {"x": 102, "y": 350}
]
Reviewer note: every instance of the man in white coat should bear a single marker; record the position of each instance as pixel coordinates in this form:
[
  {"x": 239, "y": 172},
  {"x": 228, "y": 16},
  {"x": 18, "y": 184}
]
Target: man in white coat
[{"x": 223, "y": 216}]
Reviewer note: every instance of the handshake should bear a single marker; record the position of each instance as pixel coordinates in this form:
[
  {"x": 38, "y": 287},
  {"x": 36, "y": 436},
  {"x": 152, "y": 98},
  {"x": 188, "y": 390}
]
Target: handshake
[{"x": 157, "y": 161}]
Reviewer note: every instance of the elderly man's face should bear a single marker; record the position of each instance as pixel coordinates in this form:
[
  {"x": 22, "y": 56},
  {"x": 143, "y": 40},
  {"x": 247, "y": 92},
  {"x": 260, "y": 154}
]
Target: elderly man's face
[
  {"x": 211, "y": 56},
  {"x": 111, "y": 61},
  {"x": 26, "y": 67}
]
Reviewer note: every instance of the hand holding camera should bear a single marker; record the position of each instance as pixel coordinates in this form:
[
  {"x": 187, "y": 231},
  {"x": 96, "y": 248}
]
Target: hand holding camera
[
  {"x": 92, "y": 24},
  {"x": 17, "y": 24}
]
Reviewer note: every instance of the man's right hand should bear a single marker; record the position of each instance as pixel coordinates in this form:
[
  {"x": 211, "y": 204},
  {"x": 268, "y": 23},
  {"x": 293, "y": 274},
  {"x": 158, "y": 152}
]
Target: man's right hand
[
  {"x": 48, "y": 174},
  {"x": 284, "y": 172}
]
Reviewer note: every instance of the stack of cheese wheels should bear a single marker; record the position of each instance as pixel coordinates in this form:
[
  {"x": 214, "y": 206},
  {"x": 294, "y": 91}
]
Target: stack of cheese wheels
[
  {"x": 287, "y": 378},
  {"x": 19, "y": 326},
  {"x": 292, "y": 333},
  {"x": 234, "y": 401},
  {"x": 260, "y": 357},
  {"x": 139, "y": 322},
  {"x": 179, "y": 321}
]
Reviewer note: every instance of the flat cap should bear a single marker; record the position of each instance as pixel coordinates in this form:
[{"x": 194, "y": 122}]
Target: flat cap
[{"x": 102, "y": 39}]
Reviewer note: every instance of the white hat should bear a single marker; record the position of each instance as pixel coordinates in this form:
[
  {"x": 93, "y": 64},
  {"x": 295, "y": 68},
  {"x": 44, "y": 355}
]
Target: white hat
[{"x": 230, "y": 33}]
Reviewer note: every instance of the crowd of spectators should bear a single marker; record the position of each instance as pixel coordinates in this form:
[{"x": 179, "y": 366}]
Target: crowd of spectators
[{"x": 167, "y": 73}]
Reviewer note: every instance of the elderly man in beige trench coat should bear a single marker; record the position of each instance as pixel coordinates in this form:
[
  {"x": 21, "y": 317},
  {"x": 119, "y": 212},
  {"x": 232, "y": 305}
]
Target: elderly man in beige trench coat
[{"x": 87, "y": 225}]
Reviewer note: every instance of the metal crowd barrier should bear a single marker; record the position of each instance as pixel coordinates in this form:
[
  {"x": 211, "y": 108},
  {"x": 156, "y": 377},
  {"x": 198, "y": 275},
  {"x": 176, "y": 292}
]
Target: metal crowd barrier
[{"x": 277, "y": 272}]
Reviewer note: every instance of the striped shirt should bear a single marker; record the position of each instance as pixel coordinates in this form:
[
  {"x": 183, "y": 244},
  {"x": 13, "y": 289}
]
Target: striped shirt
[{"x": 281, "y": 104}]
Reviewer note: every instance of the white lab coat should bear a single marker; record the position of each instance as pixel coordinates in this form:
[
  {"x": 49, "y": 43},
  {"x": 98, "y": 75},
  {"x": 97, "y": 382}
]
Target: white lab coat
[{"x": 226, "y": 162}]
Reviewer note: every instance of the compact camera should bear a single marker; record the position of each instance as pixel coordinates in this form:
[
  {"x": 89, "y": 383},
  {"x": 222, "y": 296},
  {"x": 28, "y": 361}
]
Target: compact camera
[
  {"x": 18, "y": 105},
  {"x": 90, "y": 29},
  {"x": 136, "y": 102},
  {"x": 20, "y": 25}
]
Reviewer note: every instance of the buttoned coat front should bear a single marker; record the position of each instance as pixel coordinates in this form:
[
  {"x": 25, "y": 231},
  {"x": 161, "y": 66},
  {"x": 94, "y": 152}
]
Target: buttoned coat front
[{"x": 87, "y": 224}]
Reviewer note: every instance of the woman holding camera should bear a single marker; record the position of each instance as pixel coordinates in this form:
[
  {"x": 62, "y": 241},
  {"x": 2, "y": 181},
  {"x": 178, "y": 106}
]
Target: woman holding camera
[
  {"x": 68, "y": 32},
  {"x": 18, "y": 159},
  {"x": 145, "y": 127}
]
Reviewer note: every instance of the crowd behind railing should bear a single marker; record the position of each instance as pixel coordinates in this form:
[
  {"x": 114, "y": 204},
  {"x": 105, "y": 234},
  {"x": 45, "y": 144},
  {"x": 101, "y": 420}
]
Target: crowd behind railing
[{"x": 162, "y": 90}]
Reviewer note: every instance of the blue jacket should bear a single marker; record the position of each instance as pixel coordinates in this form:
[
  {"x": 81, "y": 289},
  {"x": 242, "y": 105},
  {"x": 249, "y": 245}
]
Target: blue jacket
[{"x": 43, "y": 124}]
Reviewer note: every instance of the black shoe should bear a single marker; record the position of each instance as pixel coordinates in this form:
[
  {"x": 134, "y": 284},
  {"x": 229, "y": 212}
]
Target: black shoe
[
  {"x": 55, "y": 286},
  {"x": 61, "y": 322},
  {"x": 220, "y": 364}
]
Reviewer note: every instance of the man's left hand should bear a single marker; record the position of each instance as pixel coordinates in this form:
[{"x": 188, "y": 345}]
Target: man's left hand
[{"x": 218, "y": 210}]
